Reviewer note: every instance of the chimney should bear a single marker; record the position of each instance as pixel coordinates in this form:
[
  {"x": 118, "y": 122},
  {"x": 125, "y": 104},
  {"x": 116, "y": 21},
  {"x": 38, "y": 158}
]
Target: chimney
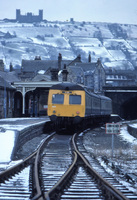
[
  {"x": 37, "y": 58},
  {"x": 64, "y": 73},
  {"x": 54, "y": 74},
  {"x": 1, "y": 65},
  {"x": 11, "y": 67},
  {"x": 79, "y": 58},
  {"x": 59, "y": 61},
  {"x": 89, "y": 58},
  {"x": 98, "y": 61}
]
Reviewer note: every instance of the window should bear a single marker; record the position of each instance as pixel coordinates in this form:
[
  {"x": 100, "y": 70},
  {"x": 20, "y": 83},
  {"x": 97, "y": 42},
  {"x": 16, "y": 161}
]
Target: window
[
  {"x": 74, "y": 99},
  {"x": 57, "y": 98}
]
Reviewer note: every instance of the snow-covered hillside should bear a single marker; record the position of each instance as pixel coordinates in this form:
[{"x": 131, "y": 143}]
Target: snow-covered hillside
[{"x": 114, "y": 44}]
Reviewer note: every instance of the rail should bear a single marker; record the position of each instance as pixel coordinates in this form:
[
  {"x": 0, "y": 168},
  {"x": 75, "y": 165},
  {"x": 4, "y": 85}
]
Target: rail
[
  {"x": 51, "y": 194},
  {"x": 113, "y": 192},
  {"x": 7, "y": 174},
  {"x": 110, "y": 191},
  {"x": 33, "y": 158},
  {"x": 36, "y": 182}
]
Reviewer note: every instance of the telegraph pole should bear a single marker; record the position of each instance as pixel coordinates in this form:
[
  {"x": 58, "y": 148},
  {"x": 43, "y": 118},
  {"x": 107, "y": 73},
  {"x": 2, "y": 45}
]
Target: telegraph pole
[{"x": 5, "y": 98}]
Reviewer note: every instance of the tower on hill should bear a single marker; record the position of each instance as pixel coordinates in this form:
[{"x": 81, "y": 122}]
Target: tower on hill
[{"x": 29, "y": 17}]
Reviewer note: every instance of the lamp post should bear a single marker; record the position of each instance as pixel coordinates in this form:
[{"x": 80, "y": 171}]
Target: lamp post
[{"x": 5, "y": 103}]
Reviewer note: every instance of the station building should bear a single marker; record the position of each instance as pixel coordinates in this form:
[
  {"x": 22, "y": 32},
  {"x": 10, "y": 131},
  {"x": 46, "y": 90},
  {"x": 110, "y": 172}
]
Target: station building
[
  {"x": 36, "y": 76},
  {"x": 25, "y": 91}
]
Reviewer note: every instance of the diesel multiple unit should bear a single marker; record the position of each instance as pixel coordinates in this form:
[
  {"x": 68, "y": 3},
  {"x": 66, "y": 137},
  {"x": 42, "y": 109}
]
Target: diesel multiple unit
[{"x": 70, "y": 104}]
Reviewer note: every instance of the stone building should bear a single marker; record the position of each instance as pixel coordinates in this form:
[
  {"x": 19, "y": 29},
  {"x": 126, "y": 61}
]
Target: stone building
[
  {"x": 37, "y": 76},
  {"x": 118, "y": 78},
  {"x": 90, "y": 74},
  {"x": 29, "y": 17},
  {"x": 7, "y": 91},
  {"x": 1, "y": 65}
]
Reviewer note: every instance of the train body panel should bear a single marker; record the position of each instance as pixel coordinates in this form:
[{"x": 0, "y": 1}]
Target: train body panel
[
  {"x": 106, "y": 106},
  {"x": 92, "y": 104}
]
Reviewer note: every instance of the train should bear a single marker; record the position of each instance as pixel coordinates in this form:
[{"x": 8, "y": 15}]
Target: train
[{"x": 71, "y": 105}]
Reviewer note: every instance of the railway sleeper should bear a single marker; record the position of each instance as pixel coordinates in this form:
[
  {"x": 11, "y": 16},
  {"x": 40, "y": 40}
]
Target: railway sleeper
[{"x": 131, "y": 177}]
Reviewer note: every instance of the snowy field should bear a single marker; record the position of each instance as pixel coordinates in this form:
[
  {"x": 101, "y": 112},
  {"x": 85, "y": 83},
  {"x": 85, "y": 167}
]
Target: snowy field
[{"x": 109, "y": 42}]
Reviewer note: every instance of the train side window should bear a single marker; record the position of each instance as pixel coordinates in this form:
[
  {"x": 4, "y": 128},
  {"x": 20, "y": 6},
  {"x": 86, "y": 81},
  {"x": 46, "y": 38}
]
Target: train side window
[
  {"x": 58, "y": 98},
  {"x": 74, "y": 99}
]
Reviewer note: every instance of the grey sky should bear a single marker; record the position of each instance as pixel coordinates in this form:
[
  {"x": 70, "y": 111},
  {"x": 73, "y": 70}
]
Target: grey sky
[{"x": 119, "y": 11}]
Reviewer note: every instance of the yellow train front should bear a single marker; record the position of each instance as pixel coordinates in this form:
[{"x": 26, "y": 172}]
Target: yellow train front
[
  {"x": 70, "y": 104},
  {"x": 66, "y": 104}
]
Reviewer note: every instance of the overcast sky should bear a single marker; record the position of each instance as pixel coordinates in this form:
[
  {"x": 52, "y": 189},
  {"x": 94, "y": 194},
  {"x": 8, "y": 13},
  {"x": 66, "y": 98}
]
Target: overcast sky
[{"x": 119, "y": 11}]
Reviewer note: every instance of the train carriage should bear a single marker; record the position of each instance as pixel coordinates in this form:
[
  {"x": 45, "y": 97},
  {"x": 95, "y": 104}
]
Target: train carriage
[
  {"x": 106, "y": 106},
  {"x": 69, "y": 104},
  {"x": 93, "y": 104}
]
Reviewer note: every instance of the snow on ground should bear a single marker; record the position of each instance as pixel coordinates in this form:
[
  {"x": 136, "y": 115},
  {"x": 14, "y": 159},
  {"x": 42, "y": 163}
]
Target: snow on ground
[
  {"x": 126, "y": 136},
  {"x": 119, "y": 65},
  {"x": 123, "y": 156},
  {"x": 8, "y": 130},
  {"x": 85, "y": 42},
  {"x": 106, "y": 41},
  {"x": 5, "y": 149}
]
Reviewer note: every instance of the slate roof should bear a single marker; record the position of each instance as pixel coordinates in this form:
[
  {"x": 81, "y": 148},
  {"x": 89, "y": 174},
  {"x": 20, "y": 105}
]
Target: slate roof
[
  {"x": 46, "y": 65},
  {"x": 67, "y": 86},
  {"x": 4, "y": 83},
  {"x": 9, "y": 76},
  {"x": 76, "y": 70},
  {"x": 36, "y": 65},
  {"x": 86, "y": 66},
  {"x": 41, "y": 77}
]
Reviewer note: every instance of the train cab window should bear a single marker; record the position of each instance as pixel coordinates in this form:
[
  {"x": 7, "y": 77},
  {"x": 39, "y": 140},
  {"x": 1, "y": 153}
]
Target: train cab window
[
  {"x": 74, "y": 99},
  {"x": 58, "y": 98}
]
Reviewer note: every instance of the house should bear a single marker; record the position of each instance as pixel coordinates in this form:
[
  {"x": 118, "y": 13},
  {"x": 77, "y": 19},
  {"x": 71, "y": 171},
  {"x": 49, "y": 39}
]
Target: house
[
  {"x": 92, "y": 75},
  {"x": 7, "y": 91},
  {"x": 120, "y": 77},
  {"x": 30, "y": 68}
]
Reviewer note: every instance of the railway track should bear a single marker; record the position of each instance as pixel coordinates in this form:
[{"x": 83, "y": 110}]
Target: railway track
[
  {"x": 62, "y": 170},
  {"x": 16, "y": 183},
  {"x": 113, "y": 180},
  {"x": 79, "y": 180},
  {"x": 16, "y": 188}
]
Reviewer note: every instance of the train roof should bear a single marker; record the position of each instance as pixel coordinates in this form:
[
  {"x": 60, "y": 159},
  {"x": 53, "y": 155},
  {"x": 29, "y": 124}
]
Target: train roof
[
  {"x": 67, "y": 86},
  {"x": 97, "y": 95}
]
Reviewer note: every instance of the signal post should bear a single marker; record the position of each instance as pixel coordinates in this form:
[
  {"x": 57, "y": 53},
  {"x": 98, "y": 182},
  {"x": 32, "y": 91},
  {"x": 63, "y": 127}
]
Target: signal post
[{"x": 112, "y": 128}]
